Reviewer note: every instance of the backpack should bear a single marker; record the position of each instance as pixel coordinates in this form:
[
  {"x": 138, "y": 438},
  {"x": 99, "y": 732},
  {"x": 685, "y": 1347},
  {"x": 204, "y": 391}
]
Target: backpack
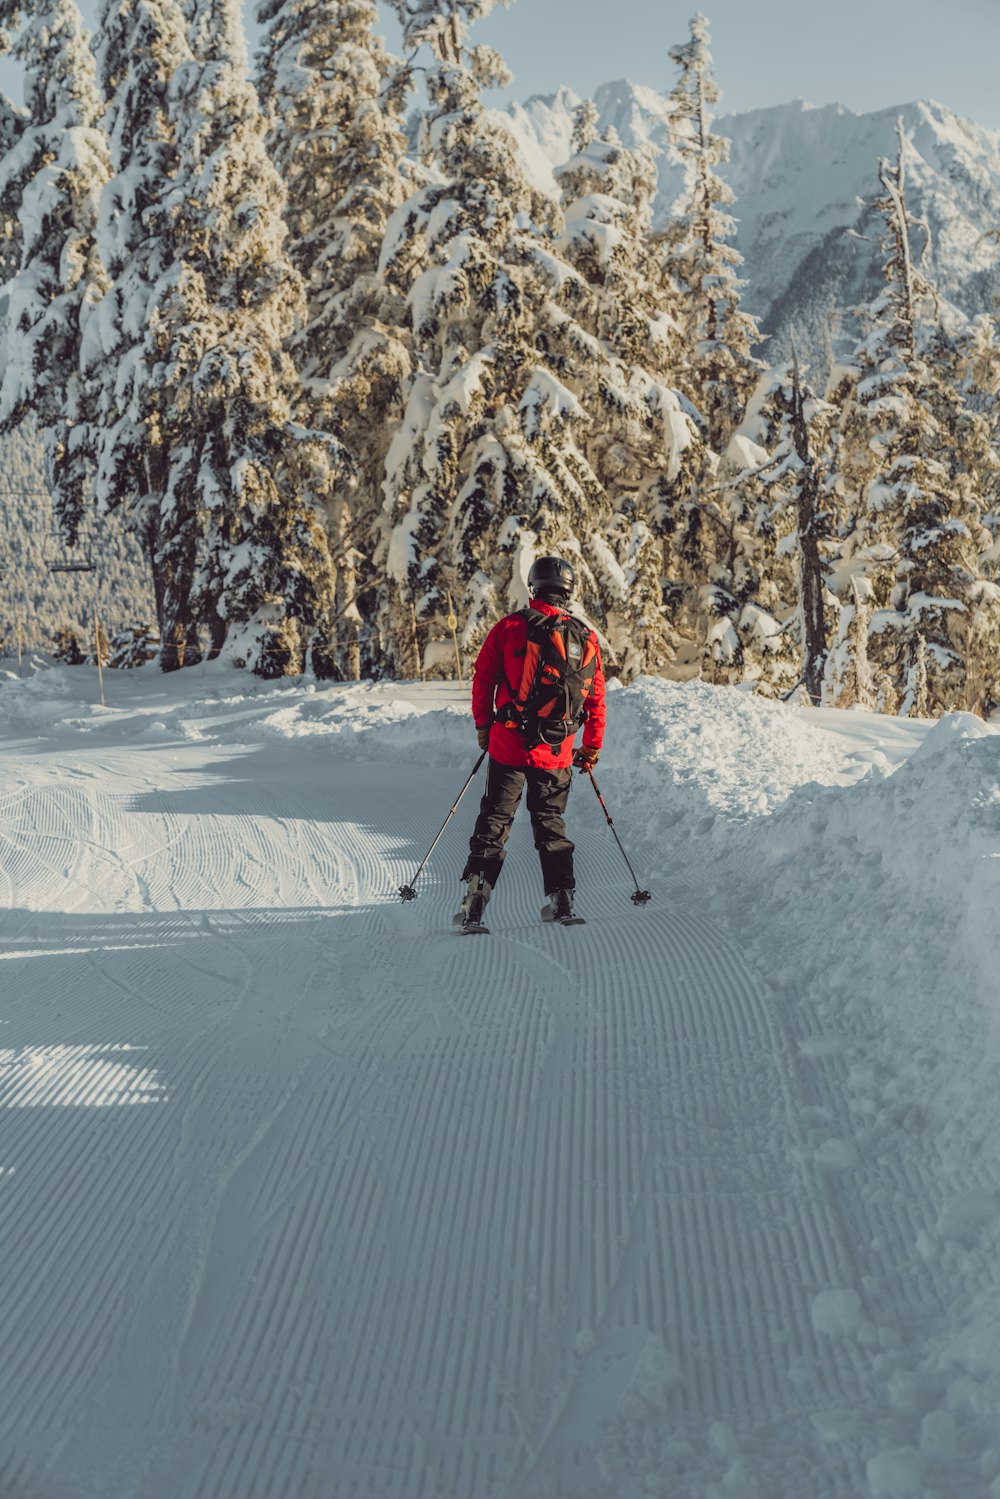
[{"x": 560, "y": 662}]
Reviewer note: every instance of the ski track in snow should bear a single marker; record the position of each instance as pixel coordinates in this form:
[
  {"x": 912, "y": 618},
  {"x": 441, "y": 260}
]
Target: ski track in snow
[{"x": 301, "y": 1196}]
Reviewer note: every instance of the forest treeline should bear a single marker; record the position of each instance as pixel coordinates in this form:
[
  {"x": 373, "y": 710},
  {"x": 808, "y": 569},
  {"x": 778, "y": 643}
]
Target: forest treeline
[{"x": 344, "y": 376}]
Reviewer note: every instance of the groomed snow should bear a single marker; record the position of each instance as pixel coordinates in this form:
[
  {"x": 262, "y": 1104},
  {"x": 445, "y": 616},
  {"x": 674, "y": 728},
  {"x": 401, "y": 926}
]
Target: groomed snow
[{"x": 301, "y": 1195}]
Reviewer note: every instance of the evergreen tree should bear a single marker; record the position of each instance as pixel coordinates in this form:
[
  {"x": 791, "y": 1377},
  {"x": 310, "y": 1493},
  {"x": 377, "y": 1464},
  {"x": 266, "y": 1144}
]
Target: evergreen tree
[
  {"x": 586, "y": 123},
  {"x": 242, "y": 544},
  {"x": 808, "y": 427},
  {"x": 133, "y": 645},
  {"x": 486, "y": 469},
  {"x": 57, "y": 166},
  {"x": 643, "y": 446},
  {"x": 913, "y": 452},
  {"x": 847, "y": 679},
  {"x": 719, "y": 372},
  {"x": 66, "y": 646},
  {"x": 966, "y": 361},
  {"x": 15, "y": 172},
  {"x": 141, "y": 43},
  {"x": 729, "y": 545},
  {"x": 334, "y": 100},
  {"x": 716, "y": 551},
  {"x": 793, "y": 527}
]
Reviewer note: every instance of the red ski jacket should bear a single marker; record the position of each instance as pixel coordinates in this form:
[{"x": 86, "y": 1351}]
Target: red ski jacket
[{"x": 498, "y": 665}]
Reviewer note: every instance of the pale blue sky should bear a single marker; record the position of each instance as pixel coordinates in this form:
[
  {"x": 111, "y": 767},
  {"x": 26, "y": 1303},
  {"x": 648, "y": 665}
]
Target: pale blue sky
[{"x": 867, "y": 54}]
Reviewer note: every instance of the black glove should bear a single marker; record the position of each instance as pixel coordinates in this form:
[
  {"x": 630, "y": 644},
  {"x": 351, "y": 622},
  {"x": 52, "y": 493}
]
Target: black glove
[
  {"x": 585, "y": 759},
  {"x": 483, "y": 735}
]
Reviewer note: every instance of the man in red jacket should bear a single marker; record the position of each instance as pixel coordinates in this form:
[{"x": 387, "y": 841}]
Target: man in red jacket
[{"x": 497, "y": 689}]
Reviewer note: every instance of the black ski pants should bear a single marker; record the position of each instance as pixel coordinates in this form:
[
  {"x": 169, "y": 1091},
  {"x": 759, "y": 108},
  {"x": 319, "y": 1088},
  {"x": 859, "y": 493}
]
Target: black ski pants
[{"x": 548, "y": 793}]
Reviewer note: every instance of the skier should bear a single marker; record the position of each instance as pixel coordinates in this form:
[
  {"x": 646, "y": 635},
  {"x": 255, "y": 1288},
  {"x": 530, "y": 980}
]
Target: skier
[{"x": 537, "y": 677}]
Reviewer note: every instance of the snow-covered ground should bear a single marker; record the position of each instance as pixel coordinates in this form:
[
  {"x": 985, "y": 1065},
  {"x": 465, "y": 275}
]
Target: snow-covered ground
[{"x": 301, "y": 1195}]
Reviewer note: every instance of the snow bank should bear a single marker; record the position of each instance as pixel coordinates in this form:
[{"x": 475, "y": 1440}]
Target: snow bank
[
  {"x": 687, "y": 763},
  {"x": 394, "y": 730},
  {"x": 215, "y": 704},
  {"x": 700, "y": 752},
  {"x": 874, "y": 870},
  {"x": 862, "y": 871},
  {"x": 909, "y": 862},
  {"x": 41, "y": 696}
]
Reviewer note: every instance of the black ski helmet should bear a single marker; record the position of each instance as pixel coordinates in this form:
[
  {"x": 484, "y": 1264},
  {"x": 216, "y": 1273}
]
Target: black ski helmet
[{"x": 551, "y": 575}]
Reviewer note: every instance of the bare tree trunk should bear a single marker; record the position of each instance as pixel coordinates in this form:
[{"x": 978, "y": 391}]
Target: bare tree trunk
[
  {"x": 814, "y": 647},
  {"x": 814, "y": 643},
  {"x": 216, "y": 636},
  {"x": 180, "y": 645},
  {"x": 156, "y": 577},
  {"x": 153, "y": 478},
  {"x": 347, "y": 650},
  {"x": 857, "y": 687}
]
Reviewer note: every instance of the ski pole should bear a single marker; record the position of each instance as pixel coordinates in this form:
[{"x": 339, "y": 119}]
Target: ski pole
[
  {"x": 638, "y": 897},
  {"x": 407, "y": 892}
]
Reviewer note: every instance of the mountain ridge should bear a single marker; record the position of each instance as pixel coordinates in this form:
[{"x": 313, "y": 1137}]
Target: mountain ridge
[{"x": 804, "y": 177}]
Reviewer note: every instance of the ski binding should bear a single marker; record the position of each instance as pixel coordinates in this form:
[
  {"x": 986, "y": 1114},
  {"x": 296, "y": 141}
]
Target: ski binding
[
  {"x": 469, "y": 929},
  {"x": 561, "y": 920}
]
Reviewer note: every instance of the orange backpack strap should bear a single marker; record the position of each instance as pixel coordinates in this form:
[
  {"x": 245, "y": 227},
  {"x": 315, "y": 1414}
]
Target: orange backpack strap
[
  {"x": 532, "y": 658},
  {"x": 588, "y": 666}
]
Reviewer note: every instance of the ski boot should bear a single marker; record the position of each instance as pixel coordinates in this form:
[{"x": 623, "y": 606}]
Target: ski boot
[
  {"x": 559, "y": 907},
  {"x": 470, "y": 916}
]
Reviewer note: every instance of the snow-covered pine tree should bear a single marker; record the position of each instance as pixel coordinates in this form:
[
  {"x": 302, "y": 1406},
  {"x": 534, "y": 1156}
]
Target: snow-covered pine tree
[
  {"x": 718, "y": 372},
  {"x": 15, "y": 170},
  {"x": 808, "y": 421},
  {"x": 787, "y": 623},
  {"x": 727, "y": 552},
  {"x": 586, "y": 126},
  {"x": 141, "y": 43},
  {"x": 643, "y": 446},
  {"x": 908, "y": 448},
  {"x": 717, "y": 533},
  {"x": 334, "y": 100},
  {"x": 57, "y": 167},
  {"x": 847, "y": 680},
  {"x": 486, "y": 469},
  {"x": 242, "y": 541},
  {"x": 967, "y": 363}
]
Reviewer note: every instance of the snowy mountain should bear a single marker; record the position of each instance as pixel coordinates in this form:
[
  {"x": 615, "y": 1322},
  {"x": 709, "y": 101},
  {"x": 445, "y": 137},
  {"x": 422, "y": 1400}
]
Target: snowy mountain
[{"x": 798, "y": 174}]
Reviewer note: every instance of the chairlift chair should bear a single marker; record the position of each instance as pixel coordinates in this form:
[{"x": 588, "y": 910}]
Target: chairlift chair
[{"x": 65, "y": 563}]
